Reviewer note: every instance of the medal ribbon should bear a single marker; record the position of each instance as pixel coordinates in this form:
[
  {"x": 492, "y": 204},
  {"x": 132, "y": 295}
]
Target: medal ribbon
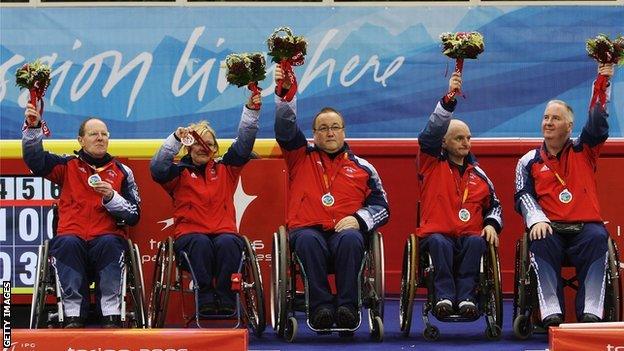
[
  {"x": 462, "y": 185},
  {"x": 201, "y": 142},
  {"x": 328, "y": 180},
  {"x": 552, "y": 167}
]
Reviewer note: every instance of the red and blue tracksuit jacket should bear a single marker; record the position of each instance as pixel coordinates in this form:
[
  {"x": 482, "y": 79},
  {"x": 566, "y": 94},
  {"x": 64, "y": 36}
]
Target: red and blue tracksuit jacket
[
  {"x": 357, "y": 188},
  {"x": 203, "y": 196},
  {"x": 441, "y": 197},
  {"x": 82, "y": 211}
]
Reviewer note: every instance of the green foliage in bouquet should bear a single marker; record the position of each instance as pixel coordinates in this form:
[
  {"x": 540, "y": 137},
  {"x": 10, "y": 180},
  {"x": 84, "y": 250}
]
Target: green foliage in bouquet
[
  {"x": 286, "y": 47},
  {"x": 33, "y": 75},
  {"x": 245, "y": 68},
  {"x": 603, "y": 50},
  {"x": 462, "y": 45}
]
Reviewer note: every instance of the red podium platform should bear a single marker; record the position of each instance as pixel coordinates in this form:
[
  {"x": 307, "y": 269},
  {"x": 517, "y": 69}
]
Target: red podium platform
[
  {"x": 128, "y": 340},
  {"x": 587, "y": 337}
]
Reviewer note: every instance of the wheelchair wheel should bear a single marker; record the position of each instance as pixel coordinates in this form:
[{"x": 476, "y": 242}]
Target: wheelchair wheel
[
  {"x": 377, "y": 331},
  {"x": 39, "y": 289},
  {"x": 409, "y": 273},
  {"x": 135, "y": 285},
  {"x": 279, "y": 281},
  {"x": 522, "y": 327},
  {"x": 495, "y": 294},
  {"x": 375, "y": 279},
  {"x": 522, "y": 323},
  {"x": 159, "y": 296},
  {"x": 613, "y": 295},
  {"x": 252, "y": 292},
  {"x": 431, "y": 333},
  {"x": 290, "y": 331}
]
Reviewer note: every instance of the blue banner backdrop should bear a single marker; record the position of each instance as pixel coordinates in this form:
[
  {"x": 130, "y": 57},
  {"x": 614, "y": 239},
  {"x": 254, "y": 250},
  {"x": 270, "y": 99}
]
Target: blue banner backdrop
[{"x": 146, "y": 71}]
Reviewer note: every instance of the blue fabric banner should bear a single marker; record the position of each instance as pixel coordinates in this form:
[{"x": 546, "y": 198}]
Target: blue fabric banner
[{"x": 148, "y": 70}]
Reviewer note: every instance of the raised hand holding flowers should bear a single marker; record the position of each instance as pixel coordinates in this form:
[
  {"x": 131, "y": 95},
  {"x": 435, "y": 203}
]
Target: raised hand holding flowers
[
  {"x": 605, "y": 52},
  {"x": 246, "y": 70},
  {"x": 460, "y": 46},
  {"x": 287, "y": 51},
  {"x": 34, "y": 76}
]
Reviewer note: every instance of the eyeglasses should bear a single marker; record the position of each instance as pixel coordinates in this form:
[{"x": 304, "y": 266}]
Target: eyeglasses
[
  {"x": 325, "y": 129},
  {"x": 98, "y": 134}
]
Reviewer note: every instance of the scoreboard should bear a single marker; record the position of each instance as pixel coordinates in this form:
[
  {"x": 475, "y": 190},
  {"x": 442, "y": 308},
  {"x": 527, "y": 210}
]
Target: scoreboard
[{"x": 26, "y": 218}]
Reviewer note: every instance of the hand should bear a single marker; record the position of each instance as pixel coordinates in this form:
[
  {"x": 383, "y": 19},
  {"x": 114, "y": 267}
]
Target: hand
[
  {"x": 105, "y": 189},
  {"x": 254, "y": 99},
  {"x": 349, "y": 222},
  {"x": 490, "y": 235},
  {"x": 455, "y": 82},
  {"x": 540, "y": 230},
  {"x": 33, "y": 117},
  {"x": 182, "y": 132},
  {"x": 606, "y": 69},
  {"x": 279, "y": 74}
]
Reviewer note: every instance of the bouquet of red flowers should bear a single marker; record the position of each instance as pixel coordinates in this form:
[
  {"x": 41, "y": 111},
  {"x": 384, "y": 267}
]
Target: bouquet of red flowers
[
  {"x": 460, "y": 46},
  {"x": 605, "y": 51},
  {"x": 288, "y": 50},
  {"x": 35, "y": 77},
  {"x": 246, "y": 69}
]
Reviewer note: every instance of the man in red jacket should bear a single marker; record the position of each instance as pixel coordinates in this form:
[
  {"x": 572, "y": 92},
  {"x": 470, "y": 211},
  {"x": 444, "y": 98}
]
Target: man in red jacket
[
  {"x": 459, "y": 208},
  {"x": 335, "y": 197},
  {"x": 557, "y": 196},
  {"x": 98, "y": 193}
]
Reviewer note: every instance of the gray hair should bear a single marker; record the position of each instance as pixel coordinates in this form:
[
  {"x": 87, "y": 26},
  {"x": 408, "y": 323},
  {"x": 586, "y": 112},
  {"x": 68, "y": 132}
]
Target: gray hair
[{"x": 570, "y": 114}]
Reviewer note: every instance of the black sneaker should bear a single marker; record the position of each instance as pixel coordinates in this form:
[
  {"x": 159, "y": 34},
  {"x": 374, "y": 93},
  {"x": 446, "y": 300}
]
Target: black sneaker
[
  {"x": 590, "y": 318},
  {"x": 74, "y": 322},
  {"x": 208, "y": 309},
  {"x": 443, "y": 308},
  {"x": 468, "y": 309},
  {"x": 552, "y": 320},
  {"x": 346, "y": 317},
  {"x": 323, "y": 318},
  {"x": 112, "y": 321}
]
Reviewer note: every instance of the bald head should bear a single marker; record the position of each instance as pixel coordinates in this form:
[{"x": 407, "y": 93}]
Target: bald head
[{"x": 456, "y": 141}]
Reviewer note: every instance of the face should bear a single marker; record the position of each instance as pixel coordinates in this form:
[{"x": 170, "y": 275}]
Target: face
[
  {"x": 329, "y": 132},
  {"x": 95, "y": 139},
  {"x": 555, "y": 125},
  {"x": 456, "y": 142},
  {"x": 199, "y": 154}
]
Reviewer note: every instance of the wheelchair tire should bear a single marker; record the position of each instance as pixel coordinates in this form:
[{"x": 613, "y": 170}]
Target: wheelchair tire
[
  {"x": 135, "y": 278},
  {"x": 252, "y": 291},
  {"x": 290, "y": 331},
  {"x": 39, "y": 289},
  {"x": 376, "y": 272},
  {"x": 614, "y": 307},
  {"x": 496, "y": 290},
  {"x": 159, "y": 296},
  {"x": 520, "y": 276},
  {"x": 377, "y": 331},
  {"x": 431, "y": 333},
  {"x": 409, "y": 272},
  {"x": 522, "y": 327},
  {"x": 493, "y": 333},
  {"x": 279, "y": 281}
]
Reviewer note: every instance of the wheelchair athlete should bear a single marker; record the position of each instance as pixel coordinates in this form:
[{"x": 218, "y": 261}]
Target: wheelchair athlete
[
  {"x": 335, "y": 197},
  {"x": 459, "y": 209},
  {"x": 557, "y": 196},
  {"x": 98, "y": 191},
  {"x": 202, "y": 189}
]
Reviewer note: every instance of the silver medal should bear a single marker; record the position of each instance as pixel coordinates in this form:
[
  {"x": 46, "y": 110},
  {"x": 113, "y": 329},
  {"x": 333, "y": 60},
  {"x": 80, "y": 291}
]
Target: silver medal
[
  {"x": 327, "y": 200},
  {"x": 94, "y": 179},
  {"x": 565, "y": 196},
  {"x": 464, "y": 215},
  {"x": 188, "y": 140}
]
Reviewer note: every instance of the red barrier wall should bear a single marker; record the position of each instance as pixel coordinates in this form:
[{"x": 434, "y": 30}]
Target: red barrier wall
[{"x": 395, "y": 161}]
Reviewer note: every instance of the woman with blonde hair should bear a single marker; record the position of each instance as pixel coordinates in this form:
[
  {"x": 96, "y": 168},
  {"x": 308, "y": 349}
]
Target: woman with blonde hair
[{"x": 202, "y": 188}]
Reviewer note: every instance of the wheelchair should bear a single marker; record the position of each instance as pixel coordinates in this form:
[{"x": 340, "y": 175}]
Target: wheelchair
[
  {"x": 47, "y": 288},
  {"x": 286, "y": 299},
  {"x": 526, "y": 317},
  {"x": 417, "y": 272},
  {"x": 246, "y": 282}
]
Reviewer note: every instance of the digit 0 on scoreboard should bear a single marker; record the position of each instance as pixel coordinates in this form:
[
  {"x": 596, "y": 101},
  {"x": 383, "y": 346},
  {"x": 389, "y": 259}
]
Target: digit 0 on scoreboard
[{"x": 25, "y": 222}]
